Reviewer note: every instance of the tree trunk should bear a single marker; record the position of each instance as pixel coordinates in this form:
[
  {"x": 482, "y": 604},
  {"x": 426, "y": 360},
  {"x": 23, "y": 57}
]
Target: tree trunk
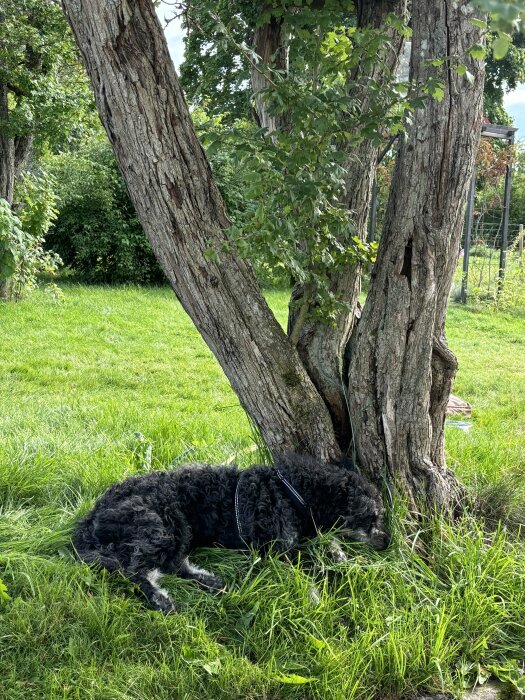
[
  {"x": 7, "y": 150},
  {"x": 401, "y": 369},
  {"x": 14, "y": 153},
  {"x": 270, "y": 46},
  {"x": 7, "y": 169},
  {"x": 322, "y": 346},
  {"x": 169, "y": 179}
]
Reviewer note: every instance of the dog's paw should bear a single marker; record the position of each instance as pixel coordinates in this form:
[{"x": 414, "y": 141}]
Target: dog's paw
[
  {"x": 163, "y": 603},
  {"x": 213, "y": 584},
  {"x": 336, "y": 553}
]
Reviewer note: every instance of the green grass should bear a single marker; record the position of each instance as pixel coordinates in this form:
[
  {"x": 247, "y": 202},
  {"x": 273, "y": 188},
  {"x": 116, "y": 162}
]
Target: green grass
[{"x": 82, "y": 378}]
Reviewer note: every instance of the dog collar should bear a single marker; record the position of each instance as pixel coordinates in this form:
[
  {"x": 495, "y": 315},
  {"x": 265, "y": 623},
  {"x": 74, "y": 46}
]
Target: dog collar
[
  {"x": 295, "y": 496},
  {"x": 237, "y": 513}
]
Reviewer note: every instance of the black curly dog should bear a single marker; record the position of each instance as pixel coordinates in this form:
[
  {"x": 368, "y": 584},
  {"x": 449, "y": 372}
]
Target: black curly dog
[{"x": 147, "y": 525}]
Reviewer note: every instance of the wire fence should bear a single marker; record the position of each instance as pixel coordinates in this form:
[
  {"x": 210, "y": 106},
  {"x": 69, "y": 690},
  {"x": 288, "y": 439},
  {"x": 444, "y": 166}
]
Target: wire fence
[{"x": 485, "y": 275}]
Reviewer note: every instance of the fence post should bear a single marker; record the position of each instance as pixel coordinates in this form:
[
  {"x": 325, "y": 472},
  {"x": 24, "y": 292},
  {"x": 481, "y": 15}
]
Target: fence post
[
  {"x": 520, "y": 245},
  {"x": 505, "y": 228},
  {"x": 468, "y": 233}
]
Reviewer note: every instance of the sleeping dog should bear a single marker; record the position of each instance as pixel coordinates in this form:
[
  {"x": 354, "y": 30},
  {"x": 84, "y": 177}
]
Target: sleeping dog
[{"x": 147, "y": 525}]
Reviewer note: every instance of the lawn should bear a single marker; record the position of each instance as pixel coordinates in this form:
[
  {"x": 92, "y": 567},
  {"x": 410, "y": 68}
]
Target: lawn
[{"x": 111, "y": 382}]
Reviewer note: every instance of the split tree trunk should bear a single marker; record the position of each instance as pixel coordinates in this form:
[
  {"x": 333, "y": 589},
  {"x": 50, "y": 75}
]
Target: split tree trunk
[
  {"x": 169, "y": 179},
  {"x": 401, "y": 369},
  {"x": 322, "y": 346}
]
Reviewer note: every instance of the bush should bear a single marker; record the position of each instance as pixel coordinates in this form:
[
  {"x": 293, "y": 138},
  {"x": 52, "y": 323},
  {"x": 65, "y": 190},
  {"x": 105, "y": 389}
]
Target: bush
[
  {"x": 96, "y": 232},
  {"x": 22, "y": 254}
]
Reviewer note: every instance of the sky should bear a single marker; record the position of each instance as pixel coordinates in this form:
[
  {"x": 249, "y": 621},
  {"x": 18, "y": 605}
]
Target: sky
[
  {"x": 515, "y": 105},
  {"x": 514, "y": 102},
  {"x": 174, "y": 33}
]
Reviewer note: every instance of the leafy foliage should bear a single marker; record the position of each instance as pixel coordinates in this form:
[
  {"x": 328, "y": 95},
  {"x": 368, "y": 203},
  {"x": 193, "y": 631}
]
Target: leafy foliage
[
  {"x": 49, "y": 94},
  {"x": 96, "y": 232},
  {"x": 11, "y": 240},
  {"x": 517, "y": 204},
  {"x": 22, "y": 254},
  {"x": 501, "y": 76},
  {"x": 214, "y": 75},
  {"x": 505, "y": 19},
  {"x": 298, "y": 221}
]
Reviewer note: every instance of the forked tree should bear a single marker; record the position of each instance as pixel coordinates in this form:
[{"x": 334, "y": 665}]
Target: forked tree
[{"x": 400, "y": 368}]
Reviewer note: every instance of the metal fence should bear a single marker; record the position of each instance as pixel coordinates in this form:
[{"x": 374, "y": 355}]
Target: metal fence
[{"x": 486, "y": 278}]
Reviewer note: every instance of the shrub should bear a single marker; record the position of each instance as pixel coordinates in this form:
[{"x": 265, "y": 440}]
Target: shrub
[
  {"x": 96, "y": 232},
  {"x": 22, "y": 254}
]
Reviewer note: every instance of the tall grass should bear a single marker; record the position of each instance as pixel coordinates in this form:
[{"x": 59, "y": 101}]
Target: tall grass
[{"x": 116, "y": 381}]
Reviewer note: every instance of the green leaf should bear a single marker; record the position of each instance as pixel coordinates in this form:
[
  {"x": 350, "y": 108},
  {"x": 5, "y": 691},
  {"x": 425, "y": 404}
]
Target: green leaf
[
  {"x": 500, "y": 47},
  {"x": 316, "y": 643},
  {"x": 477, "y": 51},
  {"x": 510, "y": 673},
  {"x": 4, "y": 595},
  {"x": 7, "y": 263},
  {"x": 213, "y": 667},
  {"x": 480, "y": 23}
]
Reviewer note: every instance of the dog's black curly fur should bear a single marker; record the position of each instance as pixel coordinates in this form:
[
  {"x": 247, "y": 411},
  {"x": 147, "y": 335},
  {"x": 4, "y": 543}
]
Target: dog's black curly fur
[{"x": 147, "y": 525}]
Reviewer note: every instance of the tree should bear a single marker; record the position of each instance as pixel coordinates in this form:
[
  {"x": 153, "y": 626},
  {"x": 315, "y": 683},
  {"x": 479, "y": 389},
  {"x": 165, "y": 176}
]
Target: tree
[
  {"x": 502, "y": 76},
  {"x": 401, "y": 369},
  {"x": 398, "y": 420},
  {"x": 219, "y": 82},
  {"x": 42, "y": 88}
]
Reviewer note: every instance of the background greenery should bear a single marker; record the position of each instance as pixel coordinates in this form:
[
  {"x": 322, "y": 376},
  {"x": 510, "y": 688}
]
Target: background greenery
[{"x": 111, "y": 382}]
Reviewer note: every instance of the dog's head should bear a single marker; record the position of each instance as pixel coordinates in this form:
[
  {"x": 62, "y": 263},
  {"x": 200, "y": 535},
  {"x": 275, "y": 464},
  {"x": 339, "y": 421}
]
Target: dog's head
[
  {"x": 339, "y": 497},
  {"x": 364, "y": 519}
]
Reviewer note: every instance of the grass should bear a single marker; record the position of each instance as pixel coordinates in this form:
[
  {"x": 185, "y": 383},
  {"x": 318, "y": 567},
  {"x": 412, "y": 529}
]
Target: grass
[{"x": 114, "y": 381}]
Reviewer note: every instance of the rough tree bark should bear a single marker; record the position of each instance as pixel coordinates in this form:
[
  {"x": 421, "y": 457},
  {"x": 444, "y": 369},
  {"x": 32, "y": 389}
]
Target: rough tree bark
[
  {"x": 401, "y": 369},
  {"x": 14, "y": 149},
  {"x": 7, "y": 150},
  {"x": 169, "y": 179},
  {"x": 270, "y": 45},
  {"x": 322, "y": 346}
]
